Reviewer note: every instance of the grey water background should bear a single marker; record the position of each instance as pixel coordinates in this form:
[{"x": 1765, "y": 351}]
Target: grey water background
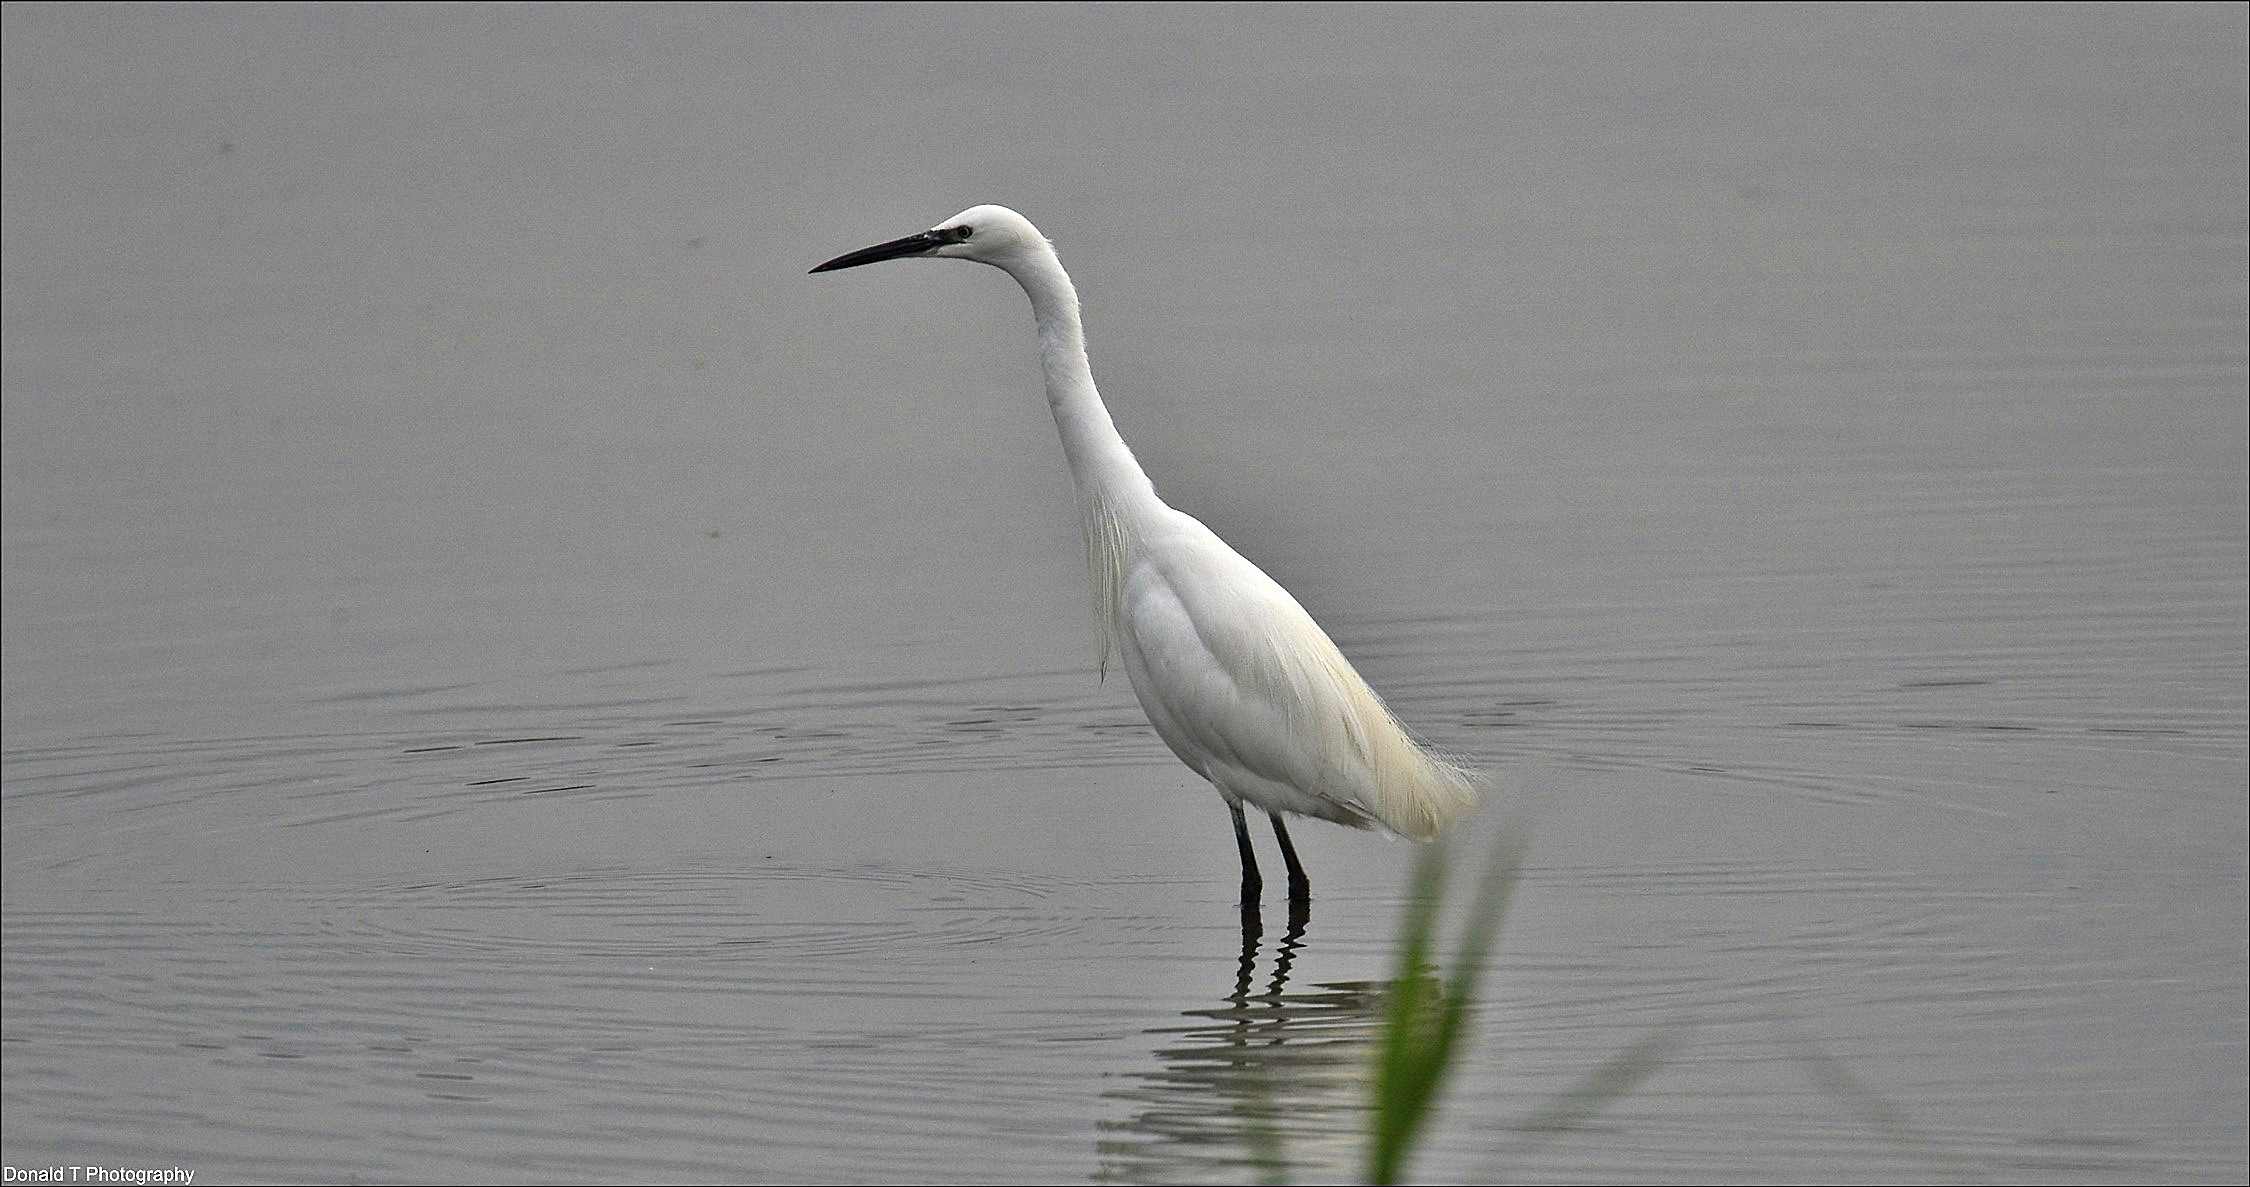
[{"x": 507, "y": 678}]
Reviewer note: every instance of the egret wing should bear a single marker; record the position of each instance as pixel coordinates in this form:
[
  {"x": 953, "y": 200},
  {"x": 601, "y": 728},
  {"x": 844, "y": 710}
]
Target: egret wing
[{"x": 1249, "y": 690}]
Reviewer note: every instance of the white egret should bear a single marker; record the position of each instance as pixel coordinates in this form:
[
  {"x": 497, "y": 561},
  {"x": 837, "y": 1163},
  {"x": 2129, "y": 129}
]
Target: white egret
[{"x": 1238, "y": 680}]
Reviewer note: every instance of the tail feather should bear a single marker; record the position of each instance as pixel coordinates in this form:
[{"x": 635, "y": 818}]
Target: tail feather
[{"x": 1414, "y": 791}]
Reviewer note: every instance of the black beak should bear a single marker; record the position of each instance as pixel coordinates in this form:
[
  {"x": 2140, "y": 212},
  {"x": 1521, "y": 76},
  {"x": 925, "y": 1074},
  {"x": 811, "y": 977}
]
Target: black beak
[{"x": 912, "y": 245}]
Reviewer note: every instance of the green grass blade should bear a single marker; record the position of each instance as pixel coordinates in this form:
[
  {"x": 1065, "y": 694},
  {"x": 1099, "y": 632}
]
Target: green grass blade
[
  {"x": 1402, "y": 1061},
  {"x": 1426, "y": 1025}
]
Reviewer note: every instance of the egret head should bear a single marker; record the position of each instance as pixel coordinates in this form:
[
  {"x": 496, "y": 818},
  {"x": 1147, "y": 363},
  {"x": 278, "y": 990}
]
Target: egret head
[{"x": 992, "y": 235}]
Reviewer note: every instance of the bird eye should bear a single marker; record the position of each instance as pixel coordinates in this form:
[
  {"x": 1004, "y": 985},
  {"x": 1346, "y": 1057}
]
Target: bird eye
[{"x": 961, "y": 234}]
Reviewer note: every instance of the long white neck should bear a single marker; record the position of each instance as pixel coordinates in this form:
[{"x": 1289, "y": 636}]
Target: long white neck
[
  {"x": 1115, "y": 498},
  {"x": 1100, "y": 463}
]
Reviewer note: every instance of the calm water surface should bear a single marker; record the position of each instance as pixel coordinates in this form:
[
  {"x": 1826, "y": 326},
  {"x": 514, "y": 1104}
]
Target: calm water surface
[{"x": 507, "y": 680}]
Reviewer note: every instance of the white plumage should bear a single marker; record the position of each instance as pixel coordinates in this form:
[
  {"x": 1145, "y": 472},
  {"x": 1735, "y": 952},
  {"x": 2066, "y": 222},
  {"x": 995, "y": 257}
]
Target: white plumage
[{"x": 1237, "y": 679}]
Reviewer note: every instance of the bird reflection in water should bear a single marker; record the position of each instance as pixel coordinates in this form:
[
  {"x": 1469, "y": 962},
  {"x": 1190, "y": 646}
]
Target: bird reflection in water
[{"x": 1270, "y": 1083}]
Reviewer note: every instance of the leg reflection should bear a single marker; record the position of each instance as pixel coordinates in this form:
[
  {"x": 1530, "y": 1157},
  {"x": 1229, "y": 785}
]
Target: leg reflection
[
  {"x": 1253, "y": 930},
  {"x": 1269, "y": 1081},
  {"x": 1300, "y": 914}
]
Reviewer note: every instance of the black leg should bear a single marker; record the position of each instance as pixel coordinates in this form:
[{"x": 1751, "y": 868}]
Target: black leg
[
  {"x": 1300, "y": 887},
  {"x": 1251, "y": 883}
]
